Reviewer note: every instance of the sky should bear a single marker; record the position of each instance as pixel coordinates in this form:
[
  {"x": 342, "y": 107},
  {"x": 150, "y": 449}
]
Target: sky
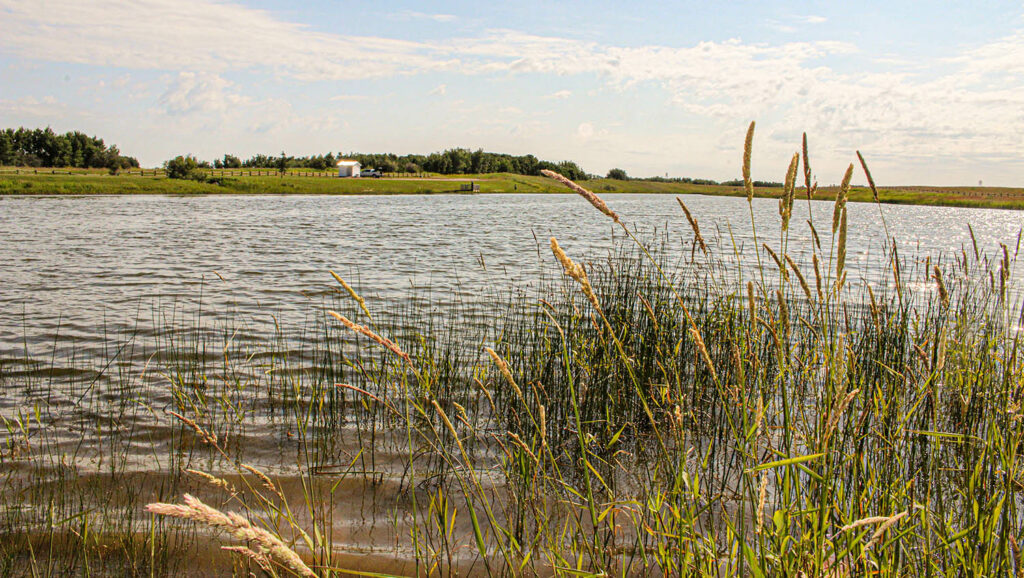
[{"x": 932, "y": 93}]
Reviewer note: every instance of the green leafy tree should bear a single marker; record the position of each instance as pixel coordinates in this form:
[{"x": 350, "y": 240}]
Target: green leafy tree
[
  {"x": 182, "y": 167},
  {"x": 618, "y": 174}
]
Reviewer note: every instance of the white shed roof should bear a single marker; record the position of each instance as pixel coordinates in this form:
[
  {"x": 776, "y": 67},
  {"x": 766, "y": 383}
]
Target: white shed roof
[{"x": 347, "y": 163}]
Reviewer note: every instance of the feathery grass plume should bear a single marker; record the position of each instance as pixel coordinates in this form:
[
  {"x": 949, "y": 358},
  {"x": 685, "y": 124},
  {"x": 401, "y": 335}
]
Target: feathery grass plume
[
  {"x": 865, "y": 522},
  {"x": 268, "y": 544},
  {"x": 1004, "y": 272},
  {"x": 650, "y": 310},
  {"x": 449, "y": 425},
  {"x": 256, "y": 557},
  {"x": 206, "y": 436},
  {"x": 877, "y": 536},
  {"x": 519, "y": 442},
  {"x": 575, "y": 271},
  {"x": 214, "y": 481},
  {"x": 748, "y": 146},
  {"x": 503, "y": 368},
  {"x": 800, "y": 277},
  {"x": 1018, "y": 559},
  {"x": 841, "y": 196},
  {"x": 789, "y": 192},
  {"x": 588, "y": 195},
  {"x": 762, "y": 498},
  {"x": 807, "y": 170},
  {"x": 543, "y": 419},
  {"x": 783, "y": 313},
  {"x": 265, "y": 480},
  {"x": 693, "y": 225},
  {"x": 867, "y": 173},
  {"x": 383, "y": 341},
  {"x": 943, "y": 294},
  {"x": 817, "y": 277},
  {"x": 841, "y": 249},
  {"x": 778, "y": 262},
  {"x": 751, "y": 300},
  {"x": 703, "y": 351},
  {"x": 875, "y": 314},
  {"x": 833, "y": 418},
  {"x": 353, "y": 294},
  {"x": 814, "y": 234}
]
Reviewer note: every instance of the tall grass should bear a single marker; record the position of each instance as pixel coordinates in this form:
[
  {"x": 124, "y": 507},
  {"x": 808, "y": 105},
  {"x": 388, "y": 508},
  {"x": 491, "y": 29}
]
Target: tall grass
[{"x": 638, "y": 415}]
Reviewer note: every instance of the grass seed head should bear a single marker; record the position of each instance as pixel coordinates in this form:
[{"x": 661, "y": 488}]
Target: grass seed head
[{"x": 586, "y": 194}]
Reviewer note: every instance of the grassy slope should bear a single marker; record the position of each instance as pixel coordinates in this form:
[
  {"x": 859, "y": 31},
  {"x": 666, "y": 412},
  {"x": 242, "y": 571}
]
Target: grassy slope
[{"x": 96, "y": 183}]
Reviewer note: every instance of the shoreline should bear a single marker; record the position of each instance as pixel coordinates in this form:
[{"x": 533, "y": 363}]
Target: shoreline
[{"x": 102, "y": 184}]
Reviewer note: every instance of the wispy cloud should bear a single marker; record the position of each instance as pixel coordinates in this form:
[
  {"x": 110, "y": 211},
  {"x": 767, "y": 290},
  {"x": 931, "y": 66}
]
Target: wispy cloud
[
  {"x": 413, "y": 15},
  {"x": 559, "y": 95},
  {"x": 439, "y": 90}
]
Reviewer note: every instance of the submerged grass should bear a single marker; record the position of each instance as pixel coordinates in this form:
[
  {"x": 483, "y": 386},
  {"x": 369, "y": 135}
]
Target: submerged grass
[{"x": 639, "y": 416}]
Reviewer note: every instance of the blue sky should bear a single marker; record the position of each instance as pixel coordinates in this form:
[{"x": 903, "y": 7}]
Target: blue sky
[{"x": 932, "y": 93}]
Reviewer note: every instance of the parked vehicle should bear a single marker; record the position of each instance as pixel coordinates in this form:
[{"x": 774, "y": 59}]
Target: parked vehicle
[{"x": 370, "y": 173}]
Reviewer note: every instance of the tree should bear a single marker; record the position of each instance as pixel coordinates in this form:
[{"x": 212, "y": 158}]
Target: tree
[
  {"x": 617, "y": 174},
  {"x": 282, "y": 164},
  {"x": 182, "y": 167}
]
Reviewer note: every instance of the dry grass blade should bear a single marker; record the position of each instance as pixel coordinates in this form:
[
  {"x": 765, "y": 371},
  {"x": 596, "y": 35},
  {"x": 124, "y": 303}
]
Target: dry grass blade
[{"x": 588, "y": 195}]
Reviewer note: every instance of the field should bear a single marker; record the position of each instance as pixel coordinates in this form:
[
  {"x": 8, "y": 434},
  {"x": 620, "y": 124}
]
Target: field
[{"x": 82, "y": 182}]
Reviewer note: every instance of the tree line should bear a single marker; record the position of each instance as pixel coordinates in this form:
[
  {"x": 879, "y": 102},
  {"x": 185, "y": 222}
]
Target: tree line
[
  {"x": 456, "y": 161},
  {"x": 45, "y": 148}
]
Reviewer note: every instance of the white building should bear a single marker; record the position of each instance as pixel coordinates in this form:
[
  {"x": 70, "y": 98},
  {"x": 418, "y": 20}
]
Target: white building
[{"x": 348, "y": 168}]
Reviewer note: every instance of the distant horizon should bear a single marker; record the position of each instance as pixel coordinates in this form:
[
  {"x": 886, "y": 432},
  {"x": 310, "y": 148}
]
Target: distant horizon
[{"x": 932, "y": 98}]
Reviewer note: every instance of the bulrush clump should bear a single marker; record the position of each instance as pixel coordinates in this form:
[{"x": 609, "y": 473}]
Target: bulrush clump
[
  {"x": 266, "y": 543},
  {"x": 588, "y": 195},
  {"x": 384, "y": 341}
]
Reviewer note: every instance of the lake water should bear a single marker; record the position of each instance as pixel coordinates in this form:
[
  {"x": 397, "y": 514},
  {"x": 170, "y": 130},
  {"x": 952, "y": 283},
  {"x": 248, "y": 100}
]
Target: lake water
[
  {"x": 74, "y": 267},
  {"x": 79, "y": 275}
]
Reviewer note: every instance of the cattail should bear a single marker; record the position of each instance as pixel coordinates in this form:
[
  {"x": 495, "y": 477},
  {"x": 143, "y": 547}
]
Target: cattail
[
  {"x": 575, "y": 271},
  {"x": 385, "y": 342},
  {"x": 789, "y": 192},
  {"x": 885, "y": 526},
  {"x": 268, "y": 544},
  {"x": 693, "y": 225},
  {"x": 867, "y": 173},
  {"x": 943, "y": 295},
  {"x": 703, "y": 350},
  {"x": 844, "y": 192},
  {"x": 503, "y": 367},
  {"x": 807, "y": 170},
  {"x": 588, "y": 195},
  {"x": 748, "y": 146},
  {"x": 800, "y": 277},
  {"x": 841, "y": 250},
  {"x": 353, "y": 294}
]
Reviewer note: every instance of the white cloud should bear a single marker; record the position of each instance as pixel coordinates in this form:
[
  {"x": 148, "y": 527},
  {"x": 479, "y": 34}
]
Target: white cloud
[
  {"x": 810, "y": 19},
  {"x": 46, "y": 107},
  {"x": 439, "y": 90},
  {"x": 585, "y": 131},
  {"x": 559, "y": 95},
  {"x": 413, "y": 15},
  {"x": 349, "y": 97},
  {"x": 201, "y": 92}
]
